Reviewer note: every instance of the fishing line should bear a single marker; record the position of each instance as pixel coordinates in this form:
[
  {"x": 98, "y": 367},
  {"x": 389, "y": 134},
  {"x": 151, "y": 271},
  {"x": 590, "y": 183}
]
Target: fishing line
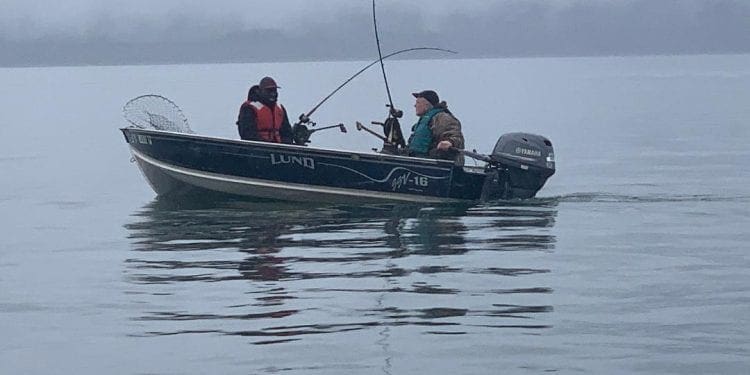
[{"x": 306, "y": 117}]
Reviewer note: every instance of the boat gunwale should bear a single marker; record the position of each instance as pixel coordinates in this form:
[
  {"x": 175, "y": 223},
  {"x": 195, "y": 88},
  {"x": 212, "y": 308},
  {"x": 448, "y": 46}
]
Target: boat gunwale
[{"x": 347, "y": 153}]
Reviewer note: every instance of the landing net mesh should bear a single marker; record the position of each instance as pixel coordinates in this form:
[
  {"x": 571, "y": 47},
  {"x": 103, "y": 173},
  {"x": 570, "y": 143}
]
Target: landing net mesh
[{"x": 156, "y": 112}]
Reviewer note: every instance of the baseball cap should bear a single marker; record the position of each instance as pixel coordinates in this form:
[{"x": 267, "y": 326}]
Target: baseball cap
[
  {"x": 268, "y": 83},
  {"x": 429, "y": 95}
]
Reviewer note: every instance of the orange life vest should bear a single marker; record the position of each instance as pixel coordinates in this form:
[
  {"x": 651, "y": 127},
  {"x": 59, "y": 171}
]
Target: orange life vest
[{"x": 268, "y": 121}]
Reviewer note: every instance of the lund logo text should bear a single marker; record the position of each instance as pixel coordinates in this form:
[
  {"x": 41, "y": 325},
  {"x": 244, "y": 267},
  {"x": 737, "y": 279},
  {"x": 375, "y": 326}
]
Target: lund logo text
[{"x": 303, "y": 161}]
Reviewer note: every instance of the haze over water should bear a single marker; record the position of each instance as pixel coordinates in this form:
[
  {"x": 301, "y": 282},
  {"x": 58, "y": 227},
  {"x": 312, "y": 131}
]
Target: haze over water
[{"x": 633, "y": 258}]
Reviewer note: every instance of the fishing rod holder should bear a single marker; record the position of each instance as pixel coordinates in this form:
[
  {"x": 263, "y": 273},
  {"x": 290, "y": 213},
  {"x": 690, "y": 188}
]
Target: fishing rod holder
[
  {"x": 361, "y": 127},
  {"x": 476, "y": 156},
  {"x": 301, "y": 133},
  {"x": 393, "y": 140}
]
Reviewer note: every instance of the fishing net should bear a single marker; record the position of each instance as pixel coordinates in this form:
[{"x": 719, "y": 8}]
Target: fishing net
[{"x": 156, "y": 112}]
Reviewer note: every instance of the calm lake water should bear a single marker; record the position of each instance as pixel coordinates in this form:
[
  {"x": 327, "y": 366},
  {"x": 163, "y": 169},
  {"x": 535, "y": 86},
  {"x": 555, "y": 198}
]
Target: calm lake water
[{"x": 633, "y": 259}]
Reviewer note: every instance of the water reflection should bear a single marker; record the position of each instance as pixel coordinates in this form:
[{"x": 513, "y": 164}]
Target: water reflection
[{"x": 277, "y": 272}]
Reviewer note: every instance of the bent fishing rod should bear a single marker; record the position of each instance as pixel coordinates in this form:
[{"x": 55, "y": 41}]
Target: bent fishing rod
[
  {"x": 305, "y": 117},
  {"x": 392, "y": 110}
]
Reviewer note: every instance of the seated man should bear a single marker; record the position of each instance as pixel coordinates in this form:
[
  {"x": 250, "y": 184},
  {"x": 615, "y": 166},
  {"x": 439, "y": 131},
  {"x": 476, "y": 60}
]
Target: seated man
[
  {"x": 261, "y": 118},
  {"x": 437, "y": 134}
]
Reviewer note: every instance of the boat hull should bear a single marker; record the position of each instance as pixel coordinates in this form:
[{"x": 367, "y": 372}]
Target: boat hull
[{"x": 176, "y": 164}]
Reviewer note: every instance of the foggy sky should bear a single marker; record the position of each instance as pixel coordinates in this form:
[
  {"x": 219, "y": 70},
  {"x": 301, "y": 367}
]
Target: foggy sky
[{"x": 44, "y": 32}]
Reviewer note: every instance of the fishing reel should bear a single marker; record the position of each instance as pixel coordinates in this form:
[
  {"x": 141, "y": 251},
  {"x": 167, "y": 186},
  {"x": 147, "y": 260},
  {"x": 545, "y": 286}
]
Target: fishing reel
[
  {"x": 394, "y": 112},
  {"x": 300, "y": 132},
  {"x": 392, "y": 131},
  {"x": 304, "y": 119}
]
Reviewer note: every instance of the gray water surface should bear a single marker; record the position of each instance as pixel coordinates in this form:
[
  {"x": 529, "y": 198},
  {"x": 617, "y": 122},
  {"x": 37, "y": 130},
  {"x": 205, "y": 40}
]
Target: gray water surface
[{"x": 633, "y": 258}]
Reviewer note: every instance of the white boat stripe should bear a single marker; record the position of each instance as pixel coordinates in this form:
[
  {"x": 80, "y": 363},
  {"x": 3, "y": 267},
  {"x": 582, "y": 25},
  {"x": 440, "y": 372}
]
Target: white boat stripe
[{"x": 386, "y": 177}]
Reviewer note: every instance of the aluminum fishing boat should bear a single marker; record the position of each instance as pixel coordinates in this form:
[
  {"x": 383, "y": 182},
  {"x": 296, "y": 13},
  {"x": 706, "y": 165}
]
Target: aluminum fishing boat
[{"x": 177, "y": 164}]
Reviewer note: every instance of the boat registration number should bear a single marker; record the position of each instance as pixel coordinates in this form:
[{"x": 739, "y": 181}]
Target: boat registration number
[
  {"x": 139, "y": 138},
  {"x": 408, "y": 179}
]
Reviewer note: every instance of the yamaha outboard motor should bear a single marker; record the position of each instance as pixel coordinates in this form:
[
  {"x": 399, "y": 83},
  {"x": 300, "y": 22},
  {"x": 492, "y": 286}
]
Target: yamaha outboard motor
[{"x": 519, "y": 166}]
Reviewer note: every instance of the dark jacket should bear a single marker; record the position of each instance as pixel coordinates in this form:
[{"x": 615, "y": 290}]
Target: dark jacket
[{"x": 446, "y": 127}]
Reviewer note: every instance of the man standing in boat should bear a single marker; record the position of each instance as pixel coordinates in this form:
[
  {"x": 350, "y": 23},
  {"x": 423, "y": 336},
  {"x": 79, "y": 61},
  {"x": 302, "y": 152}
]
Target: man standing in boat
[
  {"x": 437, "y": 134},
  {"x": 262, "y": 118}
]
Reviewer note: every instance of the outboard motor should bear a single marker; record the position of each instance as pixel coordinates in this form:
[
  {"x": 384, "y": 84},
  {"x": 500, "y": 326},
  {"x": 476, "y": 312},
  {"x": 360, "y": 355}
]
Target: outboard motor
[{"x": 519, "y": 166}]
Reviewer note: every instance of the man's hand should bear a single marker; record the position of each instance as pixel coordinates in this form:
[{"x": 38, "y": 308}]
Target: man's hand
[{"x": 444, "y": 145}]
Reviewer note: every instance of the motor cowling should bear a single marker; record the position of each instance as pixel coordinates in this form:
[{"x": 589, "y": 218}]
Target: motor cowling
[{"x": 521, "y": 164}]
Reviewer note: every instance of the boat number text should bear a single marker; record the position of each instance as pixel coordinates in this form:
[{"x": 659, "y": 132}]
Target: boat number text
[
  {"x": 139, "y": 138},
  {"x": 302, "y": 161},
  {"x": 407, "y": 178}
]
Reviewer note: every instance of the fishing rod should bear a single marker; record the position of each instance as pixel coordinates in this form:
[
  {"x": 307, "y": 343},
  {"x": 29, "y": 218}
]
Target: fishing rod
[
  {"x": 393, "y": 112},
  {"x": 305, "y": 117}
]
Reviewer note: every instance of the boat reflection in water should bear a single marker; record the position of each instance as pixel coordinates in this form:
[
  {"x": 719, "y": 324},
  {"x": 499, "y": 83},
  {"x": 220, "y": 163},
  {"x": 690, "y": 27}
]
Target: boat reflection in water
[{"x": 276, "y": 272}]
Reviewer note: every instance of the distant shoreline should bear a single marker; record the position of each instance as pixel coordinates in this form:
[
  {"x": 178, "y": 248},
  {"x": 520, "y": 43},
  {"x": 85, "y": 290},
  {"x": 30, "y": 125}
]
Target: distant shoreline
[{"x": 157, "y": 62}]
